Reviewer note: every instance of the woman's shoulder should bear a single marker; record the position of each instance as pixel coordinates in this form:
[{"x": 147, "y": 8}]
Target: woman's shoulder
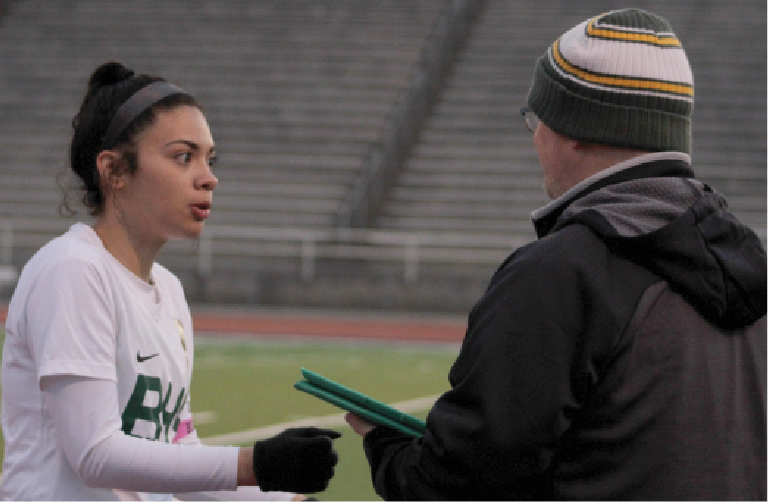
[
  {"x": 163, "y": 275},
  {"x": 166, "y": 279},
  {"x": 69, "y": 266},
  {"x": 78, "y": 247}
]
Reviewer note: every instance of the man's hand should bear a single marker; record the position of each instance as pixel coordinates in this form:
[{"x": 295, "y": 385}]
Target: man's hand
[{"x": 358, "y": 424}]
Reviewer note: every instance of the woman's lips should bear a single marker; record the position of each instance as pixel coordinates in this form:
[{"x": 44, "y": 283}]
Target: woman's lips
[{"x": 201, "y": 211}]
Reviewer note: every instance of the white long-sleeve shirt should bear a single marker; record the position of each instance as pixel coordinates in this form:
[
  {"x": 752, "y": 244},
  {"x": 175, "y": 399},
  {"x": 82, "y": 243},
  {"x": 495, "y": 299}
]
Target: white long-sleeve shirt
[{"x": 96, "y": 373}]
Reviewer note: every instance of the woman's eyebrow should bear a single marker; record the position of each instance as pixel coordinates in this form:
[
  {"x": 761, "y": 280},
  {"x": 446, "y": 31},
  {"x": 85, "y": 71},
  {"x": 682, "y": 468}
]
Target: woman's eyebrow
[{"x": 191, "y": 144}]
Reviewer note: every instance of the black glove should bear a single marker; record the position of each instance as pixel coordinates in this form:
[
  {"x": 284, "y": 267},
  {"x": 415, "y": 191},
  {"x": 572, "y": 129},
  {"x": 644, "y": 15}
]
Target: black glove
[{"x": 297, "y": 460}]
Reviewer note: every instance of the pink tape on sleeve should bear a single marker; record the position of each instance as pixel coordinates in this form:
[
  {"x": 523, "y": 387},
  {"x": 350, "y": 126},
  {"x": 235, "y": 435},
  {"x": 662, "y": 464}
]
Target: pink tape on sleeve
[{"x": 185, "y": 428}]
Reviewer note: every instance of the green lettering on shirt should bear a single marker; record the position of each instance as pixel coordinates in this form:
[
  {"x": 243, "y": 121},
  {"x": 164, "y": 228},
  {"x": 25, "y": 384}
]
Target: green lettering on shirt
[{"x": 165, "y": 422}]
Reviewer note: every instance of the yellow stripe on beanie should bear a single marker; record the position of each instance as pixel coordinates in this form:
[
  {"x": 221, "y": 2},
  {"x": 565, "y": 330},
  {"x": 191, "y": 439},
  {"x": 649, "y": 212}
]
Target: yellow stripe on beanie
[
  {"x": 614, "y": 33},
  {"x": 617, "y": 81}
]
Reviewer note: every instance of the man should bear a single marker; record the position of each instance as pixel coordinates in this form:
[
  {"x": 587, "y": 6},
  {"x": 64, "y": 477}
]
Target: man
[{"x": 623, "y": 354}]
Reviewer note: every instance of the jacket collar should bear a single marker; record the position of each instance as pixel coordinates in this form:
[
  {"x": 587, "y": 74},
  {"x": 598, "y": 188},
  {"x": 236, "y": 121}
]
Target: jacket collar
[{"x": 653, "y": 165}]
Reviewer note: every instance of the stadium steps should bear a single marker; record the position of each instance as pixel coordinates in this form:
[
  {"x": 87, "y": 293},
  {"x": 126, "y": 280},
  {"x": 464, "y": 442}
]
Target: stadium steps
[
  {"x": 295, "y": 92},
  {"x": 475, "y": 136}
]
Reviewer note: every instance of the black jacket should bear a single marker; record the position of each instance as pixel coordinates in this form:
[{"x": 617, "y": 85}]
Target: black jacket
[{"x": 620, "y": 356}]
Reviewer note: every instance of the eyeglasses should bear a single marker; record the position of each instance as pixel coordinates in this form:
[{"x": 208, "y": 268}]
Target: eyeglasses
[{"x": 532, "y": 121}]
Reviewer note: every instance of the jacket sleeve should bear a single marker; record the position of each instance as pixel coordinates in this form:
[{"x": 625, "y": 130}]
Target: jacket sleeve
[{"x": 534, "y": 346}]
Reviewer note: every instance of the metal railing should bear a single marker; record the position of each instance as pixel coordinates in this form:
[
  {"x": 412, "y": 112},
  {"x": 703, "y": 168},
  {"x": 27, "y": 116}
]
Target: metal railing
[
  {"x": 219, "y": 243},
  {"x": 411, "y": 249}
]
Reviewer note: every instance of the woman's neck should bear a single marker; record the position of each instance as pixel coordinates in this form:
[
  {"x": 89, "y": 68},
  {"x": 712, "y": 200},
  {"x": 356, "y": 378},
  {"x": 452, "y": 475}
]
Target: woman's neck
[{"x": 133, "y": 250}]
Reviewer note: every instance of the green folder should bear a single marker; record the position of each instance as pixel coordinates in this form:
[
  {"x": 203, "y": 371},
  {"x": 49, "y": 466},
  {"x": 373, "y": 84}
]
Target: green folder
[{"x": 362, "y": 405}]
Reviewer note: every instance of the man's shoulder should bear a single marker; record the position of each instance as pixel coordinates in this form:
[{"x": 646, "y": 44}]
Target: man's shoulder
[
  {"x": 574, "y": 256},
  {"x": 570, "y": 245}
]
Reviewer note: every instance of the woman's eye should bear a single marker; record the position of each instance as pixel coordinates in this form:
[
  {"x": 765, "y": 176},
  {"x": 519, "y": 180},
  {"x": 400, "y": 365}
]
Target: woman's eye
[
  {"x": 184, "y": 157},
  {"x": 212, "y": 161}
]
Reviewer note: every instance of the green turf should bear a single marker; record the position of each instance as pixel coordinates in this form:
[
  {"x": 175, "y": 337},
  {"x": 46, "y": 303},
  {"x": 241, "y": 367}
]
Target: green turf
[
  {"x": 245, "y": 385},
  {"x": 252, "y": 385}
]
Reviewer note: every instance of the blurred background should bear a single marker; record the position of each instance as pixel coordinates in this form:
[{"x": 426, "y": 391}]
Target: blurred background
[
  {"x": 372, "y": 161},
  {"x": 371, "y": 153}
]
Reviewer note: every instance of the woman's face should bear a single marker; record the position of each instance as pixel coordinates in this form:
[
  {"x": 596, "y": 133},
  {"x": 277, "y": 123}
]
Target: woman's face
[{"x": 170, "y": 194}]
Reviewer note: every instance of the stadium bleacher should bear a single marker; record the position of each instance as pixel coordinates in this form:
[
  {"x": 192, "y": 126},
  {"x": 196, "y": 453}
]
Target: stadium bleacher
[
  {"x": 475, "y": 167},
  {"x": 294, "y": 91},
  {"x": 299, "y": 91}
]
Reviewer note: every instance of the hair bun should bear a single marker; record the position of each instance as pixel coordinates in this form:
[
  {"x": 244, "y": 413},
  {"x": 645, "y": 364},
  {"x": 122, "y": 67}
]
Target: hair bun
[{"x": 109, "y": 73}]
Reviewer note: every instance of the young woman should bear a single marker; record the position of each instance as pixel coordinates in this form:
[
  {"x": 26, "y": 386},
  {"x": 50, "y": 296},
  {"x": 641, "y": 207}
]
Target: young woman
[{"x": 98, "y": 353}]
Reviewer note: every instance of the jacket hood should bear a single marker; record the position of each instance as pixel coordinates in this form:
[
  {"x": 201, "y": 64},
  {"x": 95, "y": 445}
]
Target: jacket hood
[{"x": 680, "y": 229}]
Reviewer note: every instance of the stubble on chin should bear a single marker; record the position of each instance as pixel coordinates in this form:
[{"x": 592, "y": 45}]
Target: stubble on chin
[{"x": 546, "y": 189}]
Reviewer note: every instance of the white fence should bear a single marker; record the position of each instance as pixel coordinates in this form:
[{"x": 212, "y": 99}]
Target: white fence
[{"x": 218, "y": 243}]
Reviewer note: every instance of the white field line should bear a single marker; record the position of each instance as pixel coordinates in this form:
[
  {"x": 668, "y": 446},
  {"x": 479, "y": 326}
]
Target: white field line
[
  {"x": 412, "y": 405},
  {"x": 204, "y": 417}
]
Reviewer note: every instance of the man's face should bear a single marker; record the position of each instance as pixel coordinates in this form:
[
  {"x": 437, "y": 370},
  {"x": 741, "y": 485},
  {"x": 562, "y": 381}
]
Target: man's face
[{"x": 555, "y": 152}]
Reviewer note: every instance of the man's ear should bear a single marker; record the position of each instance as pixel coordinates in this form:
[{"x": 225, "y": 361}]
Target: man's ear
[
  {"x": 109, "y": 163},
  {"x": 581, "y": 145}
]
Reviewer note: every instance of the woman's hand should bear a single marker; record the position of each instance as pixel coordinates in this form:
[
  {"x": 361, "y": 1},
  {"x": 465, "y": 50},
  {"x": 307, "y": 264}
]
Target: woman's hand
[{"x": 298, "y": 460}]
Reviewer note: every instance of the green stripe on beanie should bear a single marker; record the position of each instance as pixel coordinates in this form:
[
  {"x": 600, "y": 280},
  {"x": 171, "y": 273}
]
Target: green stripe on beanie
[{"x": 620, "y": 79}]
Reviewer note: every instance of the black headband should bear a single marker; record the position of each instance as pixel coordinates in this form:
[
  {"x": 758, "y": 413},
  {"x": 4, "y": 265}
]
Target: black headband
[{"x": 141, "y": 100}]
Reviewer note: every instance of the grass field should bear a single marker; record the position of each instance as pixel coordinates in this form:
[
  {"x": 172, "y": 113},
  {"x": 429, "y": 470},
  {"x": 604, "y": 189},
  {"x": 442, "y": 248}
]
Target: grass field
[{"x": 239, "y": 386}]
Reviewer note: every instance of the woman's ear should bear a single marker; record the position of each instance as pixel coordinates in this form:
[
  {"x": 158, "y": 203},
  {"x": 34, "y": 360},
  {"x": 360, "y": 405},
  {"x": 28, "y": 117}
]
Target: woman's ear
[{"x": 109, "y": 163}]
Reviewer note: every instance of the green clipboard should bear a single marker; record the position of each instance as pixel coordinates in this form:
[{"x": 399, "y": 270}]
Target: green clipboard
[{"x": 372, "y": 410}]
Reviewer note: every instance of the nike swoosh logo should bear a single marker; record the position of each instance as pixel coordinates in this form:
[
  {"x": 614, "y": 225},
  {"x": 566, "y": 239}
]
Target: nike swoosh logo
[{"x": 141, "y": 358}]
